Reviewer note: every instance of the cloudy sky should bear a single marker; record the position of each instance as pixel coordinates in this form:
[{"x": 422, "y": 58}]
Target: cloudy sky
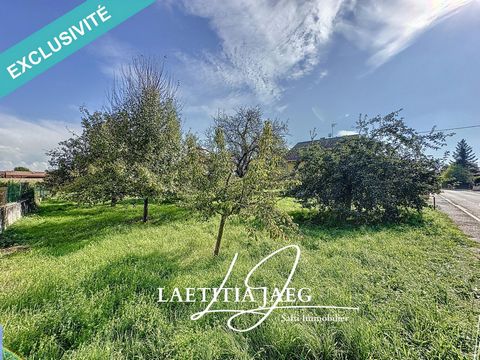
[{"x": 309, "y": 62}]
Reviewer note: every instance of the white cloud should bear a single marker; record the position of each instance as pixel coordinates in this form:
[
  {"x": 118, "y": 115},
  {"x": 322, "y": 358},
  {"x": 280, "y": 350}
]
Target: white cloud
[
  {"x": 386, "y": 27},
  {"x": 264, "y": 43},
  {"x": 112, "y": 54},
  {"x": 346, "y": 133},
  {"x": 222, "y": 103},
  {"x": 24, "y": 143},
  {"x": 323, "y": 74}
]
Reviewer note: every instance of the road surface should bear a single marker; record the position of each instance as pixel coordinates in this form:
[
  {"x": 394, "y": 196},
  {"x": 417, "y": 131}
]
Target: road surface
[{"x": 463, "y": 207}]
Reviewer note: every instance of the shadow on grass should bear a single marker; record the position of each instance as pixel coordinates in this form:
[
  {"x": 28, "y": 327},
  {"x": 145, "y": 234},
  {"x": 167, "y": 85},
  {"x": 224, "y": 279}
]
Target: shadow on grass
[
  {"x": 61, "y": 228},
  {"x": 314, "y": 219},
  {"x": 325, "y": 227}
]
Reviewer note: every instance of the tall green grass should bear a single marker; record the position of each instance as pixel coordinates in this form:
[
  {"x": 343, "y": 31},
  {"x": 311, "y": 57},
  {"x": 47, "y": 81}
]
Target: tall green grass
[{"x": 87, "y": 288}]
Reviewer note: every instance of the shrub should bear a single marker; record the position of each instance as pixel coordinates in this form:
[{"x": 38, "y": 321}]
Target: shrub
[
  {"x": 372, "y": 176},
  {"x": 457, "y": 176}
]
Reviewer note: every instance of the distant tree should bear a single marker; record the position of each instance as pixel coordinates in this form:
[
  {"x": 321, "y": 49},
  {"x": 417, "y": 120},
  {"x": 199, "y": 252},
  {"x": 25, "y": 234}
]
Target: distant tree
[
  {"x": 374, "y": 175},
  {"x": 243, "y": 178},
  {"x": 465, "y": 157},
  {"x": 21, "y": 168},
  {"x": 476, "y": 181},
  {"x": 457, "y": 176}
]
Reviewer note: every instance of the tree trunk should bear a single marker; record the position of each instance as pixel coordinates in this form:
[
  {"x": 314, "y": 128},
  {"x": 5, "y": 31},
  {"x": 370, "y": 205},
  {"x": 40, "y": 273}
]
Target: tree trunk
[
  {"x": 145, "y": 209},
  {"x": 113, "y": 203},
  {"x": 220, "y": 234}
]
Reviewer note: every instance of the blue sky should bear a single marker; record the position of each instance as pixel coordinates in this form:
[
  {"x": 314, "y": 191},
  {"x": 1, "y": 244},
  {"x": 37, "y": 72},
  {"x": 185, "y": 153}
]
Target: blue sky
[{"x": 309, "y": 62}]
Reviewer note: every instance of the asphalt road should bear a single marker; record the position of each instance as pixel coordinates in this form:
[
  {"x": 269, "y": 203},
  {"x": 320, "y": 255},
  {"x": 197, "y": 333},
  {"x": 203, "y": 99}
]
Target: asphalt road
[{"x": 463, "y": 207}]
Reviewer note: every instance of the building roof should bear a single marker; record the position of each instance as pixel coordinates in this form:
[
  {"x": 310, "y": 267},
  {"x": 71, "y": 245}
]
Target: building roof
[
  {"x": 22, "y": 174},
  {"x": 327, "y": 143}
]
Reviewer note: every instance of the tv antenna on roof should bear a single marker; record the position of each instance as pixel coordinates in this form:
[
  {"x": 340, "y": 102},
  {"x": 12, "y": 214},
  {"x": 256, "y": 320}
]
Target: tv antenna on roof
[{"x": 331, "y": 134}]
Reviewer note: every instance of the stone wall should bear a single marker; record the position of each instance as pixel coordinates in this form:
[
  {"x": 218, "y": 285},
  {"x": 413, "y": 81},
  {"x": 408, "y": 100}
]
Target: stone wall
[{"x": 12, "y": 212}]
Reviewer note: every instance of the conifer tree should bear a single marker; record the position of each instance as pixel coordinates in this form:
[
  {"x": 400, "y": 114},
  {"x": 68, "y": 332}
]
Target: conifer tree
[{"x": 465, "y": 157}]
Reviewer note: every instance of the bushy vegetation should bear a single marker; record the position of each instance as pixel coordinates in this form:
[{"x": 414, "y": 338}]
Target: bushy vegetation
[
  {"x": 373, "y": 176},
  {"x": 457, "y": 176},
  {"x": 19, "y": 191},
  {"x": 87, "y": 288}
]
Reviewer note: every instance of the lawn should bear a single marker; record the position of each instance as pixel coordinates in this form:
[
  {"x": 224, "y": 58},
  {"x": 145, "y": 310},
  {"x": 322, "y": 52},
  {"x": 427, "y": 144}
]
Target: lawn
[{"x": 87, "y": 288}]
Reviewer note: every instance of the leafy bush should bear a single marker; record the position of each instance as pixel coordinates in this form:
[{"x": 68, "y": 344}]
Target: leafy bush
[
  {"x": 372, "y": 176},
  {"x": 457, "y": 176}
]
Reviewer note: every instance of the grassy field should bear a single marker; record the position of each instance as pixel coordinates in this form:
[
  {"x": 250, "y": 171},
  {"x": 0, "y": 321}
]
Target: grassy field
[{"x": 87, "y": 288}]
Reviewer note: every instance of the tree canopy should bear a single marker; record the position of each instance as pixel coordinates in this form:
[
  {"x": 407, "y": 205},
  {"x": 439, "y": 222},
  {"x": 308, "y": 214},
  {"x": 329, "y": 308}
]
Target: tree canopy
[
  {"x": 130, "y": 149},
  {"x": 464, "y": 156},
  {"x": 373, "y": 175},
  {"x": 21, "y": 168},
  {"x": 457, "y": 176},
  {"x": 460, "y": 173},
  {"x": 240, "y": 171}
]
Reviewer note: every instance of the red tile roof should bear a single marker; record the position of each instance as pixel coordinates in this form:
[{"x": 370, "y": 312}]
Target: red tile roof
[{"x": 22, "y": 174}]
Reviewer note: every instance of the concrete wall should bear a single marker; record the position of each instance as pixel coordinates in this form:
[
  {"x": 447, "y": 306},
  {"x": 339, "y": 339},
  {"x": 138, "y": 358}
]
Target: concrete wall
[{"x": 12, "y": 212}]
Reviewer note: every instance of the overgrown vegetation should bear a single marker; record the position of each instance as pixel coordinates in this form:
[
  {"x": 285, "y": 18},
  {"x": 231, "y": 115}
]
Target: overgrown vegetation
[
  {"x": 87, "y": 288},
  {"x": 134, "y": 150},
  {"x": 373, "y": 176}
]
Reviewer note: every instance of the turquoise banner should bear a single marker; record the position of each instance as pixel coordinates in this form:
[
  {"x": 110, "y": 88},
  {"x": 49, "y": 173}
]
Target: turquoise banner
[{"x": 40, "y": 51}]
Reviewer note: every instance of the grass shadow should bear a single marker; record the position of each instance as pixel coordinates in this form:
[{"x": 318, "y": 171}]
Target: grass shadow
[
  {"x": 312, "y": 222},
  {"x": 58, "y": 229}
]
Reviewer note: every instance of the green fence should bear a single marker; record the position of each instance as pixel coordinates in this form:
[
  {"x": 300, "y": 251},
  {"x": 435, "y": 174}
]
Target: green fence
[
  {"x": 41, "y": 192},
  {"x": 17, "y": 191}
]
